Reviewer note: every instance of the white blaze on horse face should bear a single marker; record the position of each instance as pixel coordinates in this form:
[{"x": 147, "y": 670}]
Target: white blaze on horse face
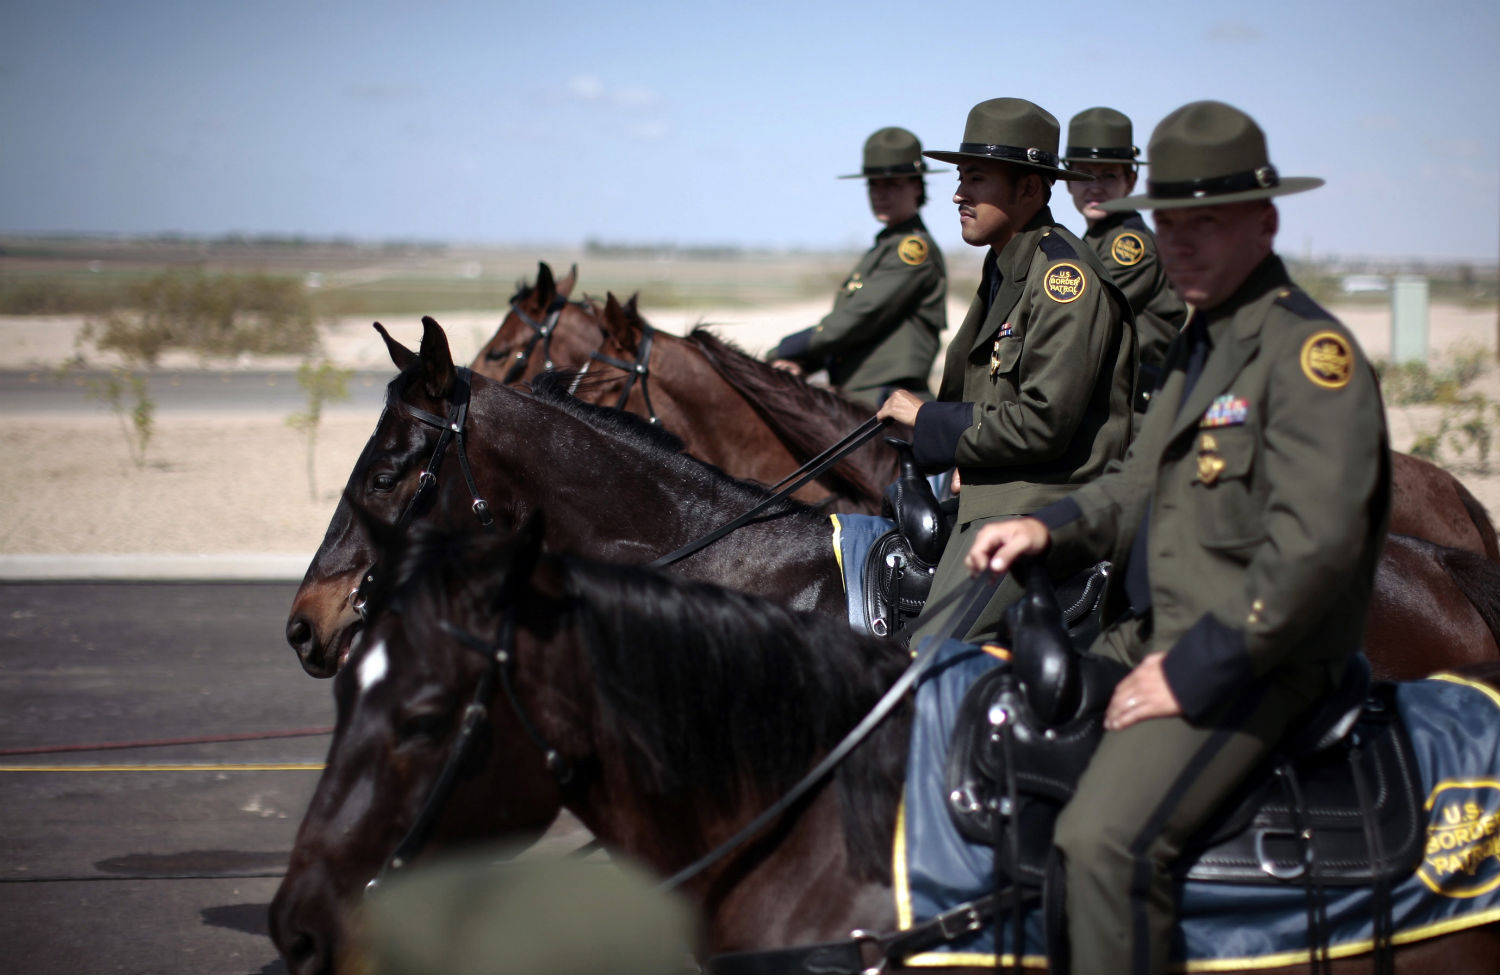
[{"x": 372, "y": 669}]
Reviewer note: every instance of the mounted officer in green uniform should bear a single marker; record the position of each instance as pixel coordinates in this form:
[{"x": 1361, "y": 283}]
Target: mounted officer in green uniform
[
  {"x": 1036, "y": 392},
  {"x": 1100, "y": 145},
  {"x": 1244, "y": 529},
  {"x": 883, "y": 331}
]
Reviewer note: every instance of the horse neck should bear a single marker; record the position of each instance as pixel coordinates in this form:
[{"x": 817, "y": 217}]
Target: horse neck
[{"x": 611, "y": 498}]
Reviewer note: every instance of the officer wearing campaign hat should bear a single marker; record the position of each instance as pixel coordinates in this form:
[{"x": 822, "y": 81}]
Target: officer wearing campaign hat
[
  {"x": 1100, "y": 144},
  {"x": 882, "y": 333},
  {"x": 1244, "y": 530},
  {"x": 1036, "y": 391}
]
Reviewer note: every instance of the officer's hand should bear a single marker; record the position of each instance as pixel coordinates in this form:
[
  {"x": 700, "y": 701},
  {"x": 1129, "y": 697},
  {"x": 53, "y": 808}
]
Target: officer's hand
[
  {"x": 1143, "y": 694},
  {"x": 902, "y": 406},
  {"x": 1000, "y": 543},
  {"x": 787, "y": 365}
]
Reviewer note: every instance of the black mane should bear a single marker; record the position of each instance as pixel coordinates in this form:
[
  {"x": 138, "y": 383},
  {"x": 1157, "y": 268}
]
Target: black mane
[{"x": 713, "y": 690}]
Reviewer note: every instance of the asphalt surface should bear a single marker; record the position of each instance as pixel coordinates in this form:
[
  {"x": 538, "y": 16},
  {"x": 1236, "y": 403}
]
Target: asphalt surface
[
  {"x": 110, "y": 861},
  {"x": 114, "y": 870},
  {"x": 178, "y": 391}
]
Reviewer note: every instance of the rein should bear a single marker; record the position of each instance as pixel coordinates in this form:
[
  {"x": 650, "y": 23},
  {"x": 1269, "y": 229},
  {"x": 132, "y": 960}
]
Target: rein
[
  {"x": 452, "y": 427},
  {"x": 541, "y": 332},
  {"x": 850, "y": 442}
]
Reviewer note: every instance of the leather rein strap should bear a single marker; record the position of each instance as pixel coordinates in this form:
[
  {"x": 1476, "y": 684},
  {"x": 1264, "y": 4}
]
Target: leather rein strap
[{"x": 809, "y": 471}]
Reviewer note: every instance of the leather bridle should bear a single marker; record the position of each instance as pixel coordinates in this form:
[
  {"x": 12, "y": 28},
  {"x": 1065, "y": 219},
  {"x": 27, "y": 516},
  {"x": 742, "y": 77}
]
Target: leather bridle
[
  {"x": 639, "y": 369},
  {"x": 452, "y": 427},
  {"x": 500, "y": 668},
  {"x": 540, "y": 332}
]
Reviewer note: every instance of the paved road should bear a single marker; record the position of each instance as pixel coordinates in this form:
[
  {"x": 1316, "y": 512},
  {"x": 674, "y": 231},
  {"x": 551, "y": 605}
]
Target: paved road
[
  {"x": 39, "y": 391},
  {"x": 150, "y": 870}
]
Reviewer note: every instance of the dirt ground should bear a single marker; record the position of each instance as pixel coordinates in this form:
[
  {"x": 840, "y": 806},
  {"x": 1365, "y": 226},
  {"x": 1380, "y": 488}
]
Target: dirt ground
[{"x": 238, "y": 483}]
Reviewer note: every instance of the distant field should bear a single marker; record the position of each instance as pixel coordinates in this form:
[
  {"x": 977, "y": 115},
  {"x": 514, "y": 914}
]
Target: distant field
[{"x": 91, "y": 275}]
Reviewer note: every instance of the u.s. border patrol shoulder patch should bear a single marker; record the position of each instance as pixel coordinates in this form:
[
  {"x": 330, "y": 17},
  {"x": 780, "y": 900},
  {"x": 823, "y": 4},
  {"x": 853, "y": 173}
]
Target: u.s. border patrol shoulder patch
[
  {"x": 1128, "y": 249},
  {"x": 1064, "y": 282},
  {"x": 912, "y": 250},
  {"x": 1327, "y": 360}
]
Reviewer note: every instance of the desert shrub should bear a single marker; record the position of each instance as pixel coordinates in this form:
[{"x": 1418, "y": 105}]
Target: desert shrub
[{"x": 223, "y": 314}]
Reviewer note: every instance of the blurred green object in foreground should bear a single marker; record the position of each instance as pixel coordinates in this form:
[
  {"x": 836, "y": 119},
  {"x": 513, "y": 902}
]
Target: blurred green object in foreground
[{"x": 532, "y": 915}]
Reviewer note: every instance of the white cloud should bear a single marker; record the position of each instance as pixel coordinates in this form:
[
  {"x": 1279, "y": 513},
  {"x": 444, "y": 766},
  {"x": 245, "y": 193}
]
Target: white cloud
[{"x": 586, "y": 87}]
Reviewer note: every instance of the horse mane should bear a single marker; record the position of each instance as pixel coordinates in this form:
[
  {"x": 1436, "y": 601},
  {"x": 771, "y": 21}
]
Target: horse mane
[
  {"x": 555, "y": 389},
  {"x": 807, "y": 418},
  {"x": 709, "y": 689}
]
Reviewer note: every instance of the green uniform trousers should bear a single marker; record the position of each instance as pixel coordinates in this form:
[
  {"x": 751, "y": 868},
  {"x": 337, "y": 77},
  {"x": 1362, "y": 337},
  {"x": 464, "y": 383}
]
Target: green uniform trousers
[
  {"x": 1144, "y": 795},
  {"x": 952, "y": 574}
]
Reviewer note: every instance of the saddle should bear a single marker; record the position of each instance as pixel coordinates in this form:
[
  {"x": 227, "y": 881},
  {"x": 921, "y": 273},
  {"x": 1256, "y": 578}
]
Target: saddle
[
  {"x": 899, "y": 567},
  {"x": 1340, "y": 799}
]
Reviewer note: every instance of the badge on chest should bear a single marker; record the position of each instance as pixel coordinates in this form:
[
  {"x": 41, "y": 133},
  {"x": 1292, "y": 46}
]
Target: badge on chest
[
  {"x": 1006, "y": 331},
  {"x": 1210, "y": 462}
]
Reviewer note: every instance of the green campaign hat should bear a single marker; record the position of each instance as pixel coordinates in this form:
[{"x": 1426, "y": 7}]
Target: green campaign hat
[
  {"x": 1208, "y": 153},
  {"x": 1011, "y": 130},
  {"x": 892, "y": 152},
  {"x": 1101, "y": 135}
]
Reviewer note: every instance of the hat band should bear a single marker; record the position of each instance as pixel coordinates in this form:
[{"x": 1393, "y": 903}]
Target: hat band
[
  {"x": 1010, "y": 153},
  {"x": 899, "y": 169},
  {"x": 1094, "y": 152},
  {"x": 1260, "y": 178}
]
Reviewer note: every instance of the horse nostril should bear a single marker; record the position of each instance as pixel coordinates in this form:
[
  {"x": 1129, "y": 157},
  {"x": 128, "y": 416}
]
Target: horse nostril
[
  {"x": 298, "y": 633},
  {"x": 303, "y": 954}
]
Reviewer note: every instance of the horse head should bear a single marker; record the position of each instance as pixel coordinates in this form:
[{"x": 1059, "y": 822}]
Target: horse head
[
  {"x": 405, "y": 470},
  {"x": 411, "y": 766},
  {"x": 543, "y": 330}
]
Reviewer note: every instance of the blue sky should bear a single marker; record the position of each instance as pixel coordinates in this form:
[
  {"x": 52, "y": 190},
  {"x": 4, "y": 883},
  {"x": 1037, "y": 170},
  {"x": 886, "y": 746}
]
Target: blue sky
[{"x": 698, "y": 123}]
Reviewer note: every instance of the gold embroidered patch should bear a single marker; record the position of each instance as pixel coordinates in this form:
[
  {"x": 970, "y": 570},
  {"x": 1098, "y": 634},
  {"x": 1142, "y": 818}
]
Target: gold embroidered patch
[
  {"x": 1064, "y": 282},
  {"x": 1327, "y": 360},
  {"x": 912, "y": 250},
  {"x": 1128, "y": 249}
]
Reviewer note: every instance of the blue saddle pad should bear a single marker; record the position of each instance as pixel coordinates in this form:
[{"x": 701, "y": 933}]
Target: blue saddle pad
[{"x": 1454, "y": 724}]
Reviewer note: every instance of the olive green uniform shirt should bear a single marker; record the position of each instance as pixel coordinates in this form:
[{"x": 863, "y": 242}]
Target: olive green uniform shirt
[
  {"x": 1036, "y": 392},
  {"x": 1268, "y": 492},
  {"x": 882, "y": 333},
  {"x": 1127, "y": 248}
]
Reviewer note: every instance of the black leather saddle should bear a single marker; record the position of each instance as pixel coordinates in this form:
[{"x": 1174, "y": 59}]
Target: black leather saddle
[
  {"x": 900, "y": 565},
  {"x": 1045, "y": 711}
]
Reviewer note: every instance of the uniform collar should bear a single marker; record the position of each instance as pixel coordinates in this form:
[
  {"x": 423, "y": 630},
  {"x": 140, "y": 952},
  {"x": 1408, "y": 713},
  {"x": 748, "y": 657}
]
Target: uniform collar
[
  {"x": 914, "y": 225},
  {"x": 1015, "y": 257},
  {"x": 1269, "y": 275},
  {"x": 1110, "y": 222}
]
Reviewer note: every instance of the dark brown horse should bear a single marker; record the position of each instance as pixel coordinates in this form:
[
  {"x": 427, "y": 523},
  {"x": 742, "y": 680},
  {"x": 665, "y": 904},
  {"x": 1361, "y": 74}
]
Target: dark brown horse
[
  {"x": 611, "y": 486},
  {"x": 615, "y": 488},
  {"x": 761, "y": 431},
  {"x": 664, "y": 714},
  {"x": 758, "y": 423}
]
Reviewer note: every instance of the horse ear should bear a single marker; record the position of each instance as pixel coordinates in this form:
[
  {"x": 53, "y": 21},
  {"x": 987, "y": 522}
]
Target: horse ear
[
  {"x": 546, "y": 288},
  {"x": 437, "y": 361},
  {"x": 619, "y": 322},
  {"x": 400, "y": 354},
  {"x": 565, "y": 286}
]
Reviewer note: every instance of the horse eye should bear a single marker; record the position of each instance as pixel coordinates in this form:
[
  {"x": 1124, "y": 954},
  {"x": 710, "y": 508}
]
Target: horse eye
[
  {"x": 428, "y": 726},
  {"x": 384, "y": 481}
]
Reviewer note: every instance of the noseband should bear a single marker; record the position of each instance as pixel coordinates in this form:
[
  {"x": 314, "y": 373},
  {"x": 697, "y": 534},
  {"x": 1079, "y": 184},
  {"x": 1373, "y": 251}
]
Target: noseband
[
  {"x": 500, "y": 669},
  {"x": 452, "y": 427},
  {"x": 639, "y": 369},
  {"x": 540, "y": 332}
]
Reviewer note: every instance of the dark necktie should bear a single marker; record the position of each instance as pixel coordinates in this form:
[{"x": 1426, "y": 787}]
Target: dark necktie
[{"x": 1137, "y": 579}]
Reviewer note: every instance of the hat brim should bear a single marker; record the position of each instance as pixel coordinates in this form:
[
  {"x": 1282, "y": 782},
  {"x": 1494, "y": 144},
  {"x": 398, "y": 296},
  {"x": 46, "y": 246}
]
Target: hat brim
[
  {"x": 925, "y": 171},
  {"x": 1106, "y": 162},
  {"x": 1287, "y": 186},
  {"x": 1054, "y": 171}
]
